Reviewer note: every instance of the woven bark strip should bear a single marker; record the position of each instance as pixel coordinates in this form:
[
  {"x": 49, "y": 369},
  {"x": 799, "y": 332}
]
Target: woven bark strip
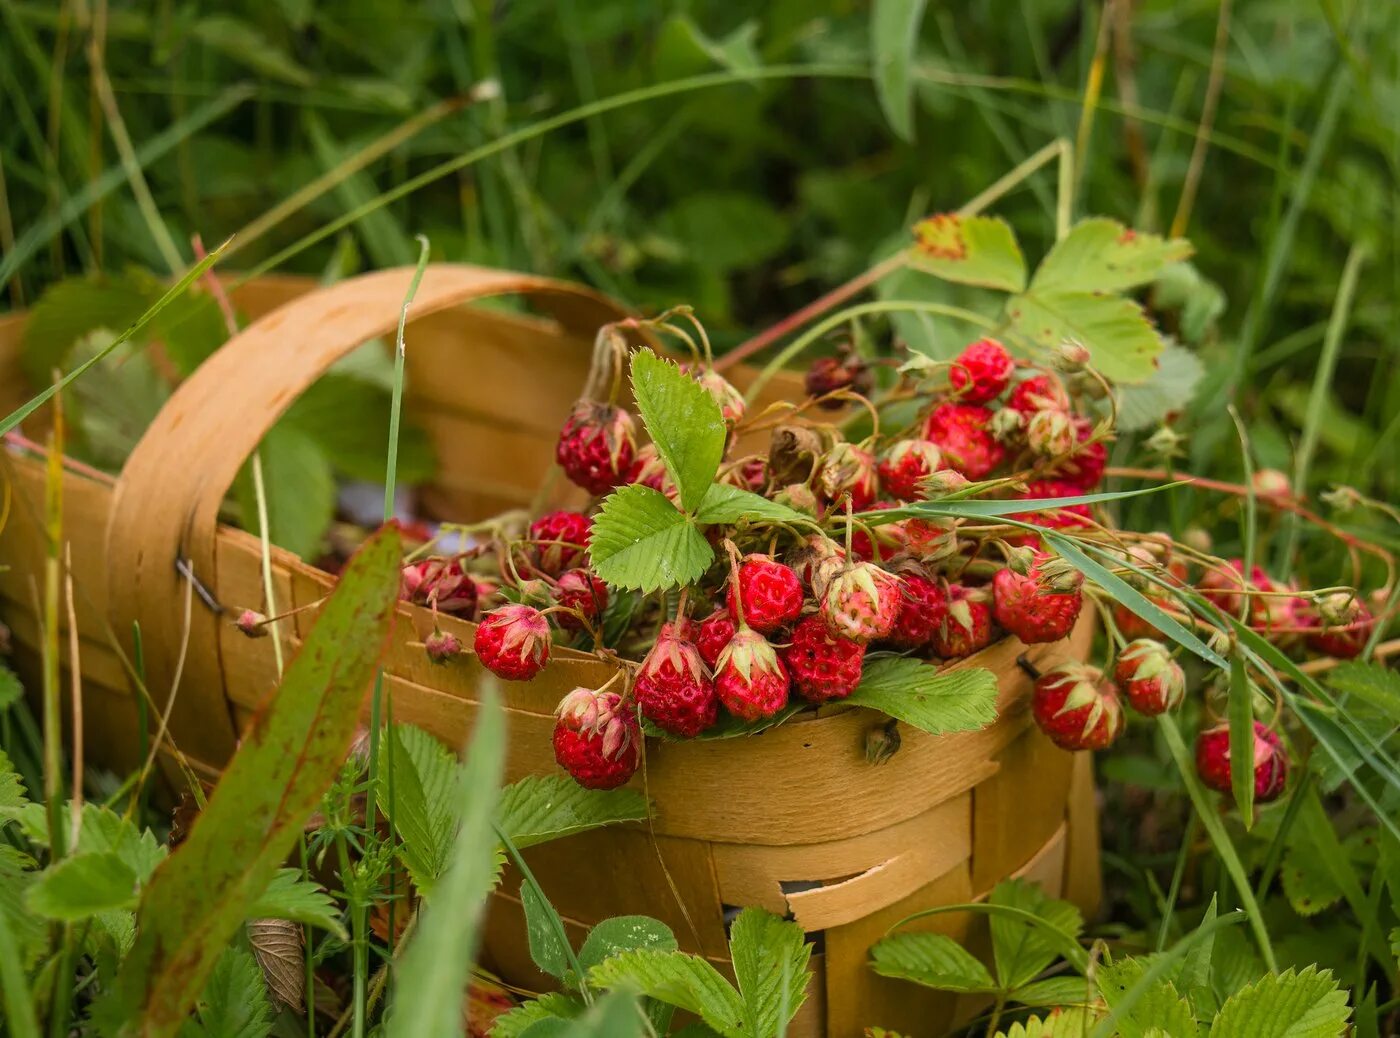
[{"x": 793, "y": 820}]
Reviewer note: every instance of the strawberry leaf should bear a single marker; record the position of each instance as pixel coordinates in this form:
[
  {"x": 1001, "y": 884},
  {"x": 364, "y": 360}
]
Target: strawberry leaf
[
  {"x": 934, "y": 960},
  {"x": 1309, "y": 1004},
  {"x": 1169, "y": 388},
  {"x": 641, "y": 542},
  {"x": 1121, "y": 341},
  {"x": 1102, "y": 255},
  {"x": 921, "y": 695},
  {"x": 684, "y": 422},
  {"x": 725, "y": 504},
  {"x": 971, "y": 250}
]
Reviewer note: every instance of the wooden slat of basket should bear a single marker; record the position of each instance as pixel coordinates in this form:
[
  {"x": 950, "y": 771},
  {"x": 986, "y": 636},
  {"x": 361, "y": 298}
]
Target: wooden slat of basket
[
  {"x": 1019, "y": 808},
  {"x": 1083, "y": 866}
]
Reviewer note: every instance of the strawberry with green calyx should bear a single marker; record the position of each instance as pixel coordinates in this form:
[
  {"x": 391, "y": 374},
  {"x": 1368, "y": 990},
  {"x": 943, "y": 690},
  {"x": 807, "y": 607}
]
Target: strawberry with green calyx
[
  {"x": 904, "y": 466},
  {"x": 674, "y": 687},
  {"x": 1041, "y": 604},
  {"x": 861, "y": 602},
  {"x": 730, "y": 400},
  {"x": 596, "y": 738},
  {"x": 981, "y": 372},
  {"x": 771, "y": 593},
  {"x": 750, "y": 679},
  {"x": 1153, "y": 682},
  {"x": 967, "y": 625},
  {"x": 1042, "y": 392},
  {"x": 1077, "y": 708},
  {"x": 848, "y": 473},
  {"x": 1343, "y": 623},
  {"x": 963, "y": 435},
  {"x": 513, "y": 642},
  {"x": 597, "y": 446}
]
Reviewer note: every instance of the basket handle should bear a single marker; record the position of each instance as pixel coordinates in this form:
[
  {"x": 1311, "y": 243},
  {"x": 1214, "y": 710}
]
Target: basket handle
[{"x": 165, "y": 505}]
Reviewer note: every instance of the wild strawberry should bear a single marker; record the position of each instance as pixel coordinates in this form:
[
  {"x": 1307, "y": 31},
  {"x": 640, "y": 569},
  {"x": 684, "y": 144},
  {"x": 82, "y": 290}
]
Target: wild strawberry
[
  {"x": 816, "y": 561},
  {"x": 1152, "y": 680},
  {"x": 582, "y": 590},
  {"x": 730, "y": 400},
  {"x": 930, "y": 540},
  {"x": 1085, "y": 464},
  {"x": 798, "y": 496},
  {"x": 713, "y": 634},
  {"x": 1270, "y": 761},
  {"x": 1271, "y": 483},
  {"x": 750, "y": 680},
  {"x": 1030, "y": 607},
  {"x": 1077, "y": 708},
  {"x": 649, "y": 470},
  {"x": 674, "y": 687},
  {"x": 967, "y": 627},
  {"x": 769, "y": 593},
  {"x": 751, "y": 474},
  {"x": 442, "y": 646},
  {"x": 1050, "y": 433},
  {"x": 888, "y": 537},
  {"x": 861, "y": 603},
  {"x": 1038, "y": 393},
  {"x": 1343, "y": 625},
  {"x": 512, "y": 642},
  {"x": 962, "y": 432},
  {"x": 923, "y": 606},
  {"x": 597, "y": 739},
  {"x": 828, "y": 374},
  {"x": 822, "y": 666},
  {"x": 439, "y": 583},
  {"x": 559, "y": 539},
  {"x": 904, "y": 466},
  {"x": 981, "y": 371},
  {"x": 848, "y": 471},
  {"x": 252, "y": 624},
  {"x": 596, "y": 446}
]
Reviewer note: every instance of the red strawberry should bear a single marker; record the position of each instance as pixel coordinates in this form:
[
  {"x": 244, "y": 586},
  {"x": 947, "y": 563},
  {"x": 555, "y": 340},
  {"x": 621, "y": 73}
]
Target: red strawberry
[
  {"x": 751, "y": 474},
  {"x": 963, "y": 433},
  {"x": 981, "y": 372},
  {"x": 1153, "y": 681},
  {"x": 1038, "y": 393},
  {"x": 441, "y": 646},
  {"x": 512, "y": 642},
  {"x": 930, "y": 540},
  {"x": 770, "y": 594},
  {"x": 923, "y": 606},
  {"x": 905, "y": 464},
  {"x": 596, "y": 446},
  {"x": 597, "y": 739},
  {"x": 848, "y": 471},
  {"x": 1344, "y": 626},
  {"x": 828, "y": 374},
  {"x": 439, "y": 583},
  {"x": 559, "y": 539},
  {"x": 674, "y": 687},
  {"x": 1085, "y": 464},
  {"x": 730, "y": 400},
  {"x": 580, "y": 589},
  {"x": 650, "y": 471},
  {"x": 823, "y": 667},
  {"x": 1077, "y": 708},
  {"x": 889, "y": 537},
  {"x": 715, "y": 632},
  {"x": 967, "y": 627},
  {"x": 1270, "y": 762},
  {"x": 1030, "y": 607},
  {"x": 751, "y": 681},
  {"x": 861, "y": 602}
]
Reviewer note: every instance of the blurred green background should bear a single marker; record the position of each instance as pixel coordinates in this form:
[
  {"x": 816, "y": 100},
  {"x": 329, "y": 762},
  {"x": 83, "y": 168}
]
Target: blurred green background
[{"x": 747, "y": 199}]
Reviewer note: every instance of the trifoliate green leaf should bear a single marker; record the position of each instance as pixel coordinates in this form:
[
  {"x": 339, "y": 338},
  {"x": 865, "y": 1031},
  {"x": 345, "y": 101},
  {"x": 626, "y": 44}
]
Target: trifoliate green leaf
[
  {"x": 684, "y": 423},
  {"x": 726, "y": 505},
  {"x": 641, "y": 542},
  {"x": 931, "y": 959},
  {"x": 1286, "y": 1005},
  {"x": 1020, "y": 948},
  {"x": 1101, "y": 255},
  {"x": 971, "y": 250},
  {"x": 916, "y": 693},
  {"x": 1159, "y": 1006},
  {"x": 1121, "y": 341}
]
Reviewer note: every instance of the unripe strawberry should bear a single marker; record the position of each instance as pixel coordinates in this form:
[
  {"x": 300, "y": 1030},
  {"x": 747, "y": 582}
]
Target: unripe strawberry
[
  {"x": 252, "y": 624},
  {"x": 816, "y": 561},
  {"x": 1271, "y": 483},
  {"x": 798, "y": 496},
  {"x": 674, "y": 687},
  {"x": 597, "y": 739},
  {"x": 967, "y": 627},
  {"x": 904, "y": 467},
  {"x": 930, "y": 540},
  {"x": 1077, "y": 708},
  {"x": 442, "y": 646},
  {"x": 1270, "y": 761},
  {"x": 981, "y": 372},
  {"x": 513, "y": 642},
  {"x": 822, "y": 666},
  {"x": 1043, "y": 392},
  {"x": 1344, "y": 626},
  {"x": 1153, "y": 681},
  {"x": 558, "y": 540},
  {"x": 713, "y": 634},
  {"x": 769, "y": 593},
  {"x": 828, "y": 374},
  {"x": 848, "y": 471},
  {"x": 439, "y": 583},
  {"x": 582, "y": 590},
  {"x": 750, "y": 680},
  {"x": 730, "y": 400},
  {"x": 923, "y": 606},
  {"x": 943, "y": 482},
  {"x": 1030, "y": 607},
  {"x": 861, "y": 602},
  {"x": 1085, "y": 464},
  {"x": 962, "y": 432},
  {"x": 887, "y": 537},
  {"x": 596, "y": 446},
  {"x": 1050, "y": 433}
]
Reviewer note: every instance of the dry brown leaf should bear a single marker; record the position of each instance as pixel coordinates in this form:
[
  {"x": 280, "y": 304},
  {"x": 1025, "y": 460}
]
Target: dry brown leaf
[{"x": 277, "y": 947}]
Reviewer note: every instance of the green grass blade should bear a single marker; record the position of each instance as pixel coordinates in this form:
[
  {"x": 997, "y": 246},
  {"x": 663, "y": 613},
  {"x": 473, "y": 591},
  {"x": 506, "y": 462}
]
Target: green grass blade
[{"x": 1241, "y": 714}]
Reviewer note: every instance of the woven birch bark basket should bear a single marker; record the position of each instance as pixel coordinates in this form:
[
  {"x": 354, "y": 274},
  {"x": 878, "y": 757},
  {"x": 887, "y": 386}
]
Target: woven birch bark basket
[{"x": 793, "y": 820}]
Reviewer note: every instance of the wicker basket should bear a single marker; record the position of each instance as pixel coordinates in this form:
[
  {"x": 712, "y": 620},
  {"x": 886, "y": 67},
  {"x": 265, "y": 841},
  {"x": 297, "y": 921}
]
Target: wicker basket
[{"x": 793, "y": 820}]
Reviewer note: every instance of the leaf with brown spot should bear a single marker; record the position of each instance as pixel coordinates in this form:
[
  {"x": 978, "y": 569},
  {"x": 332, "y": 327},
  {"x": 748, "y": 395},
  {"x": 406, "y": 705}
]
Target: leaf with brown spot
[
  {"x": 971, "y": 250},
  {"x": 200, "y": 895}
]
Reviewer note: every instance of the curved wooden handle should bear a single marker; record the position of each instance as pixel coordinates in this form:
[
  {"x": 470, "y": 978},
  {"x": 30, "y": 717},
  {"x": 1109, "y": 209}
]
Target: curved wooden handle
[{"x": 166, "y": 502}]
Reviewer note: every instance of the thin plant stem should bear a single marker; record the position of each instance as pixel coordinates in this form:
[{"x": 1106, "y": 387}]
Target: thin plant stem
[
  {"x": 1193, "y": 825},
  {"x": 53, "y": 718},
  {"x": 265, "y": 550},
  {"x": 75, "y": 676},
  {"x": 1198, "y": 151}
]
